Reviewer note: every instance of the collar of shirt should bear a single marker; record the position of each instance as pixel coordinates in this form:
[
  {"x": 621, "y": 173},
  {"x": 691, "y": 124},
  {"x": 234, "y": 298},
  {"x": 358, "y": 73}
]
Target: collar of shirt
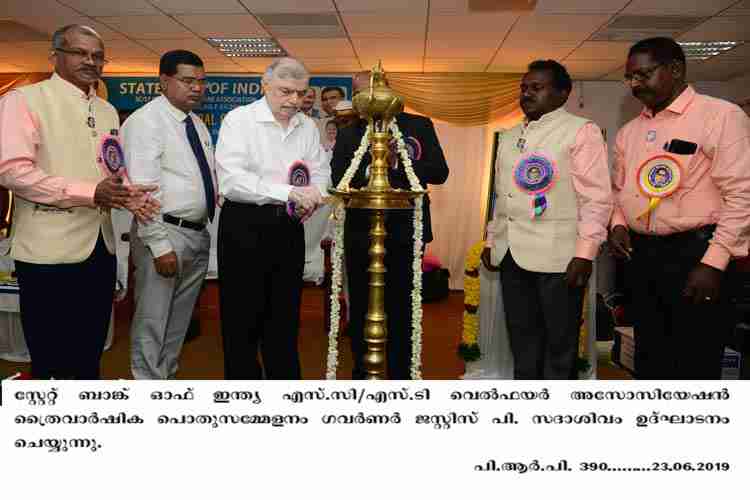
[
  {"x": 546, "y": 118},
  {"x": 175, "y": 113},
  {"x": 264, "y": 115},
  {"x": 678, "y": 106},
  {"x": 72, "y": 89}
]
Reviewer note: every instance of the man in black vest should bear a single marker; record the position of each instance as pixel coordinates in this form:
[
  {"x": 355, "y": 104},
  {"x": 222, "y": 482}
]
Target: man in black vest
[{"x": 430, "y": 167}]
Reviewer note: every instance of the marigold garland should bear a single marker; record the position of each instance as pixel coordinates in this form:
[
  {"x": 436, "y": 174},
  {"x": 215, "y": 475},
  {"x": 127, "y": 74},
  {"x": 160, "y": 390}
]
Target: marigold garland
[{"x": 468, "y": 349}]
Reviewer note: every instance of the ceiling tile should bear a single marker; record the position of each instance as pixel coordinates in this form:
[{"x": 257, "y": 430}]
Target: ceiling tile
[
  {"x": 449, "y": 6},
  {"x": 553, "y": 27},
  {"x": 393, "y": 63},
  {"x": 95, "y": 8},
  {"x": 591, "y": 69},
  {"x": 200, "y": 6},
  {"x": 477, "y": 26},
  {"x": 391, "y": 47},
  {"x": 50, "y": 24},
  {"x": 200, "y": 47},
  {"x": 223, "y": 25},
  {"x": 382, "y": 6},
  {"x": 720, "y": 29},
  {"x": 677, "y": 7},
  {"x": 28, "y": 8},
  {"x": 609, "y": 51},
  {"x": 288, "y": 6},
  {"x": 254, "y": 64},
  {"x": 339, "y": 64},
  {"x": 382, "y": 26},
  {"x": 740, "y": 9},
  {"x": 579, "y": 7},
  {"x": 118, "y": 49},
  {"x": 467, "y": 48},
  {"x": 147, "y": 27},
  {"x": 318, "y": 48}
]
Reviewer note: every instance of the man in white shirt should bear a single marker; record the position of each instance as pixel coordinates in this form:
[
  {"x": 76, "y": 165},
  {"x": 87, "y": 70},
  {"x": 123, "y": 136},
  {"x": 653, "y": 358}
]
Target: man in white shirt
[
  {"x": 261, "y": 248},
  {"x": 170, "y": 146}
]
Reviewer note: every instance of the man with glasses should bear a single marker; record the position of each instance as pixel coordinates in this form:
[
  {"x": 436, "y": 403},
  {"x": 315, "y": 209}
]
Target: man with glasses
[
  {"x": 56, "y": 137},
  {"x": 272, "y": 174},
  {"x": 168, "y": 145},
  {"x": 682, "y": 184}
]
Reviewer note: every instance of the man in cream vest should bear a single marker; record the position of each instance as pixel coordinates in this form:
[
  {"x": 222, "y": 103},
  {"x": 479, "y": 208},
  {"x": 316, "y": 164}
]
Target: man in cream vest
[
  {"x": 62, "y": 240},
  {"x": 553, "y": 203}
]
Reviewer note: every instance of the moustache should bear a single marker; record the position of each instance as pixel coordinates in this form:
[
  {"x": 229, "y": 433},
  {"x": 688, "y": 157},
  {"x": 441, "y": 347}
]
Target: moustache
[
  {"x": 527, "y": 100},
  {"x": 638, "y": 93}
]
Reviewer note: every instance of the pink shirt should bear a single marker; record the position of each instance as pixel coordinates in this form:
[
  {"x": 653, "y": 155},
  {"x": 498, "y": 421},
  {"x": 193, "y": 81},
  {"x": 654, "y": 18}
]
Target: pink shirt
[
  {"x": 715, "y": 185},
  {"x": 19, "y": 138},
  {"x": 591, "y": 183}
]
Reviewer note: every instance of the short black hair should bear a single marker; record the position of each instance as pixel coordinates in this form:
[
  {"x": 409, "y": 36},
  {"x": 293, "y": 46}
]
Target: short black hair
[
  {"x": 560, "y": 77},
  {"x": 661, "y": 49},
  {"x": 170, "y": 60},
  {"x": 337, "y": 89}
]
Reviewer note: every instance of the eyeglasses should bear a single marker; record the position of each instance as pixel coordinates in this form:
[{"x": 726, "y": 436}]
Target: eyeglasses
[
  {"x": 641, "y": 75},
  {"x": 288, "y": 92},
  {"x": 191, "y": 82},
  {"x": 97, "y": 57}
]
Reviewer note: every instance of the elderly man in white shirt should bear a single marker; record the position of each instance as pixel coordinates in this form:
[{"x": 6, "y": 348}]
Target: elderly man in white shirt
[
  {"x": 272, "y": 175},
  {"x": 168, "y": 145}
]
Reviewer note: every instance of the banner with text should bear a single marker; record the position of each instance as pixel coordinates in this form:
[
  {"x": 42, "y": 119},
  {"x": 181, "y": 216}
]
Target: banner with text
[{"x": 223, "y": 94}]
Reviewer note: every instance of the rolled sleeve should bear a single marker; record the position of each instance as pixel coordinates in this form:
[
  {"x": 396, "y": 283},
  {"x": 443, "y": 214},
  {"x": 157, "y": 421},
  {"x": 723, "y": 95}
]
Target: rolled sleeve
[{"x": 591, "y": 182}]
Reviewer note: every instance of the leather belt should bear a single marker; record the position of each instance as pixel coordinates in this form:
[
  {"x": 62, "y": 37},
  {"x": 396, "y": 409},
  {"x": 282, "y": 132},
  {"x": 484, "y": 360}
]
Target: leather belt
[{"x": 195, "y": 226}]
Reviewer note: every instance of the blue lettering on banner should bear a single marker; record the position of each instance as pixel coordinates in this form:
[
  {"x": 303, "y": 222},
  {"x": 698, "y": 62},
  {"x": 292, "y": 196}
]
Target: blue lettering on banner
[{"x": 223, "y": 94}]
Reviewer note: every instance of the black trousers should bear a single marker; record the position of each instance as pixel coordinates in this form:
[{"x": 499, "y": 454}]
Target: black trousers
[
  {"x": 65, "y": 314},
  {"x": 261, "y": 256},
  {"x": 399, "y": 277},
  {"x": 674, "y": 339},
  {"x": 543, "y": 316}
]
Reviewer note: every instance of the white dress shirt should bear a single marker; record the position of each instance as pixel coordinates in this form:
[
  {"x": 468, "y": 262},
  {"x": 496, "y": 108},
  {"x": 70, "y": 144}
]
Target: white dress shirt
[
  {"x": 157, "y": 151},
  {"x": 254, "y": 153}
]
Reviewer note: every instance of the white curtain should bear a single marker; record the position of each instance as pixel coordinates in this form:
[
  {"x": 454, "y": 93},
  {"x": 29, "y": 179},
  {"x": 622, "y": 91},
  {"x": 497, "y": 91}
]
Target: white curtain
[{"x": 457, "y": 205}]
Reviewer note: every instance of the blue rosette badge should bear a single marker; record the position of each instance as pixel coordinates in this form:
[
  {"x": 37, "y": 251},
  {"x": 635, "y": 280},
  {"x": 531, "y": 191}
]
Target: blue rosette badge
[
  {"x": 299, "y": 176},
  {"x": 535, "y": 175},
  {"x": 111, "y": 157}
]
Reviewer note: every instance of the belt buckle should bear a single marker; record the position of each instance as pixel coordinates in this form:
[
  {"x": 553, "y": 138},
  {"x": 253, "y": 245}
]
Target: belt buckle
[{"x": 179, "y": 222}]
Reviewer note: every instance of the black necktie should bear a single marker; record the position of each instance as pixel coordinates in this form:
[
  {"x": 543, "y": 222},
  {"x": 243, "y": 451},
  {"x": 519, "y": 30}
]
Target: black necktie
[{"x": 208, "y": 183}]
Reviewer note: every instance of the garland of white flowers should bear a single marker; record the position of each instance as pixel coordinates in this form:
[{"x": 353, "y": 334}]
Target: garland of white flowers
[{"x": 338, "y": 250}]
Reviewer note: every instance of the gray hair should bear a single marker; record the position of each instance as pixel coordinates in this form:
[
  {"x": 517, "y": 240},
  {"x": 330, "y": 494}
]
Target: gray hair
[
  {"x": 60, "y": 41},
  {"x": 286, "y": 68}
]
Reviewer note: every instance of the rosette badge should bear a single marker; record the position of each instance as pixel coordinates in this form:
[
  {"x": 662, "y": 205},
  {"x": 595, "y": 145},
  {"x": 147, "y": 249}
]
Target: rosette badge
[
  {"x": 658, "y": 178},
  {"x": 111, "y": 156},
  {"x": 299, "y": 176},
  {"x": 535, "y": 175}
]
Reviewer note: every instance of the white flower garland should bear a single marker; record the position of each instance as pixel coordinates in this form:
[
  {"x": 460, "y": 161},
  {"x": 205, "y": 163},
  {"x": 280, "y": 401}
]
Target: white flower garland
[
  {"x": 416, "y": 293},
  {"x": 338, "y": 251},
  {"x": 339, "y": 217}
]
